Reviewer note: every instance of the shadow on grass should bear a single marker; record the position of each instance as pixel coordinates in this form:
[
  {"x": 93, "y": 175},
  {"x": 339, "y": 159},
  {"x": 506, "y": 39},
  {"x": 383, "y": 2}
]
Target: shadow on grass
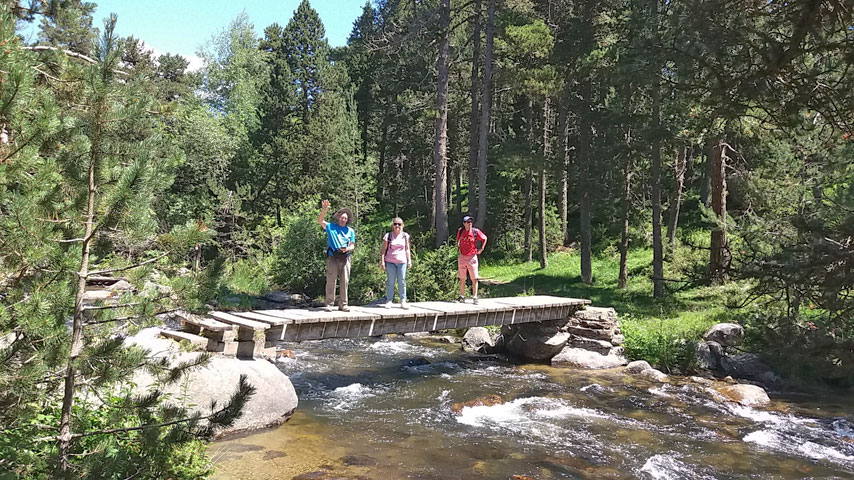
[{"x": 638, "y": 303}]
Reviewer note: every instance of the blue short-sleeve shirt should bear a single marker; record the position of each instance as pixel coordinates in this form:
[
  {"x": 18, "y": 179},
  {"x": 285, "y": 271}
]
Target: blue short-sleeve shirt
[{"x": 338, "y": 237}]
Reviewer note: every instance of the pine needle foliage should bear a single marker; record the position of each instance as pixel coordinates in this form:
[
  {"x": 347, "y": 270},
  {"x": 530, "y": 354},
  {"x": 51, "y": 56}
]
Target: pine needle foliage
[{"x": 81, "y": 164}]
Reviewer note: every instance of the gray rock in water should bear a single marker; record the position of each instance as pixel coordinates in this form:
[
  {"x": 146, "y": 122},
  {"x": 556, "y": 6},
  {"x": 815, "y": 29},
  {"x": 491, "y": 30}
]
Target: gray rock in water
[
  {"x": 586, "y": 359},
  {"x": 700, "y": 380},
  {"x": 768, "y": 378},
  {"x": 746, "y": 365},
  {"x": 653, "y": 374},
  {"x": 534, "y": 341},
  {"x": 477, "y": 339},
  {"x": 274, "y": 400},
  {"x": 727, "y": 334},
  {"x": 749, "y": 395},
  {"x": 638, "y": 366},
  {"x": 705, "y": 358}
]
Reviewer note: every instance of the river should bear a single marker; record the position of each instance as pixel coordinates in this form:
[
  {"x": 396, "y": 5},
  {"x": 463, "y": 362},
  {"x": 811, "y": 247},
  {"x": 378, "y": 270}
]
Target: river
[{"x": 381, "y": 409}]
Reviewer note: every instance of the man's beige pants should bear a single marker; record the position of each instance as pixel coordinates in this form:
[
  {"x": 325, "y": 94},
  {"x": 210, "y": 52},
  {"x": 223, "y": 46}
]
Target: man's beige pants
[{"x": 337, "y": 270}]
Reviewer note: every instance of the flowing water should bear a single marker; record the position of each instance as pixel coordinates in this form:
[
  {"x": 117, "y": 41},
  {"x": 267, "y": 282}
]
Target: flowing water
[{"x": 381, "y": 409}]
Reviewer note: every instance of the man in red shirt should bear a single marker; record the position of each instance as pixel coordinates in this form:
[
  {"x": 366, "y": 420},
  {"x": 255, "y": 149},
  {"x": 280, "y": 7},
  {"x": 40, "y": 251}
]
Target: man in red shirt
[{"x": 467, "y": 238}]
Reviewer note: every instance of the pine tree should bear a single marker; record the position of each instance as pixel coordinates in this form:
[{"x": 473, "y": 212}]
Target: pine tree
[
  {"x": 76, "y": 196},
  {"x": 307, "y": 51}
]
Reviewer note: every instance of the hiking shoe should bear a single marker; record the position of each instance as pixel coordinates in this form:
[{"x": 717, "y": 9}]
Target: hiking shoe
[
  {"x": 387, "y": 305},
  {"x": 344, "y": 308},
  {"x": 328, "y": 308},
  {"x": 404, "y": 305},
  {"x": 461, "y": 299},
  {"x": 474, "y": 300}
]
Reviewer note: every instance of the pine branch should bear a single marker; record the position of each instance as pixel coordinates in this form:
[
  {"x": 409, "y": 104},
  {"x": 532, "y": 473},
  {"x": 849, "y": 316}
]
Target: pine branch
[
  {"x": 79, "y": 56},
  {"x": 223, "y": 417},
  {"x": 128, "y": 318},
  {"x": 121, "y": 269},
  {"x": 109, "y": 307}
]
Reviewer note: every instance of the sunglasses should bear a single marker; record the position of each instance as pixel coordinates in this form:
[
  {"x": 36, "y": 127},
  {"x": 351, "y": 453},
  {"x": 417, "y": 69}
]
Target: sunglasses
[
  {"x": 468, "y": 221},
  {"x": 397, "y": 224}
]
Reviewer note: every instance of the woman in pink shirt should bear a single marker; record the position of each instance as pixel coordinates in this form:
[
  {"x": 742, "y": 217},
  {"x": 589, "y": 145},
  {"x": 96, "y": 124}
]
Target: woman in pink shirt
[{"x": 395, "y": 260}]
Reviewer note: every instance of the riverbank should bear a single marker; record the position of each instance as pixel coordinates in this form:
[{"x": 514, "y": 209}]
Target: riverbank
[
  {"x": 382, "y": 409},
  {"x": 660, "y": 331}
]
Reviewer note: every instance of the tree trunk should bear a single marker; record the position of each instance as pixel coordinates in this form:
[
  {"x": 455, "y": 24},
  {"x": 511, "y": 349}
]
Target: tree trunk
[
  {"x": 655, "y": 172},
  {"x": 458, "y": 178},
  {"x": 582, "y": 159},
  {"x": 440, "y": 149},
  {"x": 475, "y": 112},
  {"x": 679, "y": 169},
  {"x": 544, "y": 261},
  {"x": 562, "y": 164},
  {"x": 626, "y": 208},
  {"x": 382, "y": 180},
  {"x": 486, "y": 104},
  {"x": 77, "y": 322},
  {"x": 528, "y": 214},
  {"x": 719, "y": 255},
  {"x": 547, "y": 156},
  {"x": 706, "y": 176}
]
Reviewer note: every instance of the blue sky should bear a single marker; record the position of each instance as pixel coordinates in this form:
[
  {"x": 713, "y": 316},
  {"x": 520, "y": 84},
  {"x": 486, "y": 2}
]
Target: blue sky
[{"x": 181, "y": 26}]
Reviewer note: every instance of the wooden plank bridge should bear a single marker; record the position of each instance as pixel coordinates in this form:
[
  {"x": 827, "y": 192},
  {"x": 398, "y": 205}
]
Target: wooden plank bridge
[{"x": 255, "y": 333}]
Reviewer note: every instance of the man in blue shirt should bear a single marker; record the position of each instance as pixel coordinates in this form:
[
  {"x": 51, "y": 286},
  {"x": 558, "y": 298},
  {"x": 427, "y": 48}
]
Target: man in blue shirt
[{"x": 340, "y": 242}]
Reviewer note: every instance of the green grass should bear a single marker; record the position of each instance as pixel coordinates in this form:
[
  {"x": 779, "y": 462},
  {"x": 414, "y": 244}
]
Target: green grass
[{"x": 661, "y": 331}]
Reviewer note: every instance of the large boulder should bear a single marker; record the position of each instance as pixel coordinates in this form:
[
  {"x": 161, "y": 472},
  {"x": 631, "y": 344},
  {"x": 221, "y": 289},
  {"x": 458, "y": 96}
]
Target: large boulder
[
  {"x": 274, "y": 400},
  {"x": 705, "y": 357},
  {"x": 477, "y": 339},
  {"x": 535, "y": 341},
  {"x": 748, "y": 395},
  {"x": 746, "y": 365},
  {"x": 586, "y": 359},
  {"x": 726, "y": 334}
]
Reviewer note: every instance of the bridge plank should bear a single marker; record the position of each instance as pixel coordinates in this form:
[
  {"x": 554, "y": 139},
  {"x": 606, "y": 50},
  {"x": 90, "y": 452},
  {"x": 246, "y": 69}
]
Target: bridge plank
[
  {"x": 240, "y": 322},
  {"x": 536, "y": 301},
  {"x": 297, "y": 324},
  {"x": 274, "y": 321},
  {"x": 414, "y": 310},
  {"x": 204, "y": 322}
]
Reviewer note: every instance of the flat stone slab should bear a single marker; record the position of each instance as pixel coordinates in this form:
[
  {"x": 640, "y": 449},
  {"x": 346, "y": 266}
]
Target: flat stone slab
[{"x": 197, "y": 340}]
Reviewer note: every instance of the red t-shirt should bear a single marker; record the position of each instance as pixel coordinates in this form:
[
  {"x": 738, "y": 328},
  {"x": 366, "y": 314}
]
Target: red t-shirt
[{"x": 467, "y": 241}]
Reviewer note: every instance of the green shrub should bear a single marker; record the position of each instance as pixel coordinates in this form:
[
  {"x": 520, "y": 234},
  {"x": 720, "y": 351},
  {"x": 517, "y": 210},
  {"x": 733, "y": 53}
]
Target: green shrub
[
  {"x": 367, "y": 280},
  {"x": 667, "y": 344},
  {"x": 300, "y": 260},
  {"x": 251, "y": 275},
  {"x": 433, "y": 275}
]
